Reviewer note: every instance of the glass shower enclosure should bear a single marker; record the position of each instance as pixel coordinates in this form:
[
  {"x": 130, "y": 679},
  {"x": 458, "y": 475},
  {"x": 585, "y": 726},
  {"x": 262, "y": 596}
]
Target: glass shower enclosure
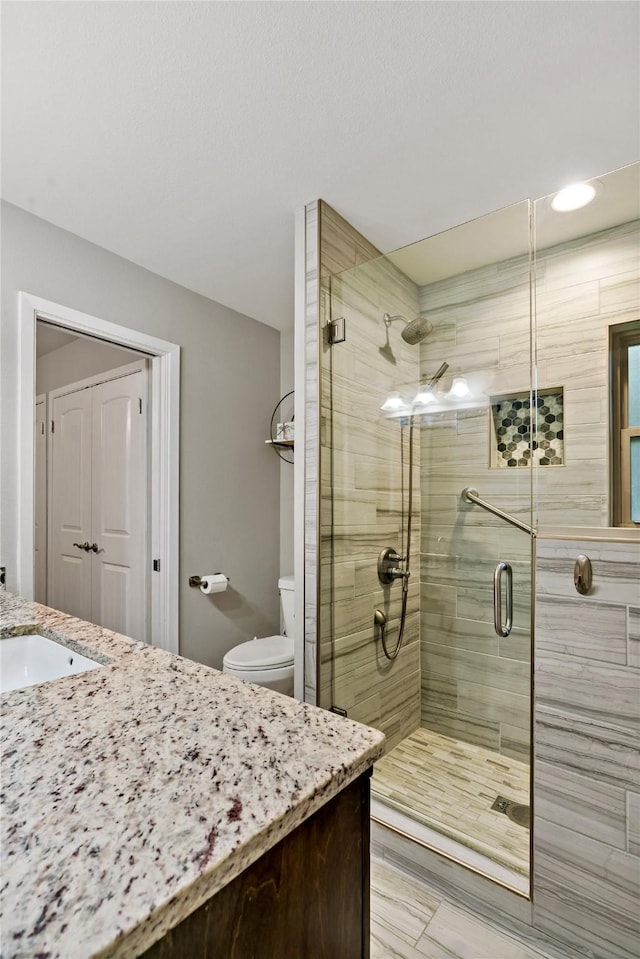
[{"x": 426, "y": 543}]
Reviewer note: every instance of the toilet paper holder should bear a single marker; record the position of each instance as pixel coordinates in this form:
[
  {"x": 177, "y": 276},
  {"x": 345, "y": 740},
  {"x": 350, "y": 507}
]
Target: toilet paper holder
[{"x": 196, "y": 581}]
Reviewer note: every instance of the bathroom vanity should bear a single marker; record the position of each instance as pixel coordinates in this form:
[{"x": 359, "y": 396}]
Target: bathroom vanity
[{"x": 153, "y": 806}]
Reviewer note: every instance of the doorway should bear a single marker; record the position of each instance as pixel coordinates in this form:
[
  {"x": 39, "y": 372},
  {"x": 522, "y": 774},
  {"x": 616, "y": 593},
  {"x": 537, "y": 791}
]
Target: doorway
[
  {"x": 91, "y": 480},
  {"x": 162, "y": 360}
]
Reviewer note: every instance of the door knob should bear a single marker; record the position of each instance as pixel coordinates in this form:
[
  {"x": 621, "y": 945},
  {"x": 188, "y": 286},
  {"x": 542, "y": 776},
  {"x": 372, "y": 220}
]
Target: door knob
[
  {"x": 94, "y": 548},
  {"x": 85, "y": 546}
]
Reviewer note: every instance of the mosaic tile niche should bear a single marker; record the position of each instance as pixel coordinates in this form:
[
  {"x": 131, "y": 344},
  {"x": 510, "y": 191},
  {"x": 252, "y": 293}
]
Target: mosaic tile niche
[{"x": 513, "y": 443}]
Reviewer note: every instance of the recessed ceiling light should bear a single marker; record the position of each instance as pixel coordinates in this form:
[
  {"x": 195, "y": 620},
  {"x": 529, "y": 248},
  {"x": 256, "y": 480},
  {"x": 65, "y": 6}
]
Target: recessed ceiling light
[{"x": 573, "y": 197}]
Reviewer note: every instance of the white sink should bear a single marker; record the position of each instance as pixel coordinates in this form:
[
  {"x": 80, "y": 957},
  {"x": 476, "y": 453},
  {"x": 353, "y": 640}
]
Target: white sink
[{"x": 26, "y": 660}]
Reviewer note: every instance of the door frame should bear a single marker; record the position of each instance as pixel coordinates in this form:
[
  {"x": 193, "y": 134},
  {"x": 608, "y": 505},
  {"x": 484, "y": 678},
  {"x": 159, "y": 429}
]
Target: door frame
[
  {"x": 165, "y": 450},
  {"x": 42, "y": 398}
]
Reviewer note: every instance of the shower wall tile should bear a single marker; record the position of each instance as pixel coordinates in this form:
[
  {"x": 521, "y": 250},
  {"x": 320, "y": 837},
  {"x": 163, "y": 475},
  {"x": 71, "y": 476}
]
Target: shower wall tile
[
  {"x": 591, "y": 257},
  {"x": 478, "y": 604},
  {"x": 616, "y": 574},
  {"x": 466, "y": 665},
  {"x": 487, "y": 700},
  {"x": 515, "y": 742},
  {"x": 633, "y": 823},
  {"x": 453, "y": 723},
  {"x": 605, "y": 751},
  {"x": 605, "y": 692},
  {"x": 561, "y": 629},
  {"x": 595, "y": 809},
  {"x": 581, "y": 288},
  {"x": 361, "y": 508},
  {"x": 498, "y": 706},
  {"x": 633, "y": 640},
  {"x": 435, "y": 598},
  {"x": 587, "y": 731}
]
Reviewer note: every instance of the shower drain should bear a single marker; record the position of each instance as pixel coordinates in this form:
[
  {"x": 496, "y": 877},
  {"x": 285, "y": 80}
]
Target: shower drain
[{"x": 515, "y": 811}]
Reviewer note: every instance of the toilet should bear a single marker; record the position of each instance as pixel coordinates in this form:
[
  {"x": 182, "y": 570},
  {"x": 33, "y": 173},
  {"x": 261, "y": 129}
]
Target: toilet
[{"x": 268, "y": 661}]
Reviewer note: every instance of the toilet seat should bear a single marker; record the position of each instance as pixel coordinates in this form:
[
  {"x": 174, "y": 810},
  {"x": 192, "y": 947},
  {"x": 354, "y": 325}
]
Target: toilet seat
[{"x": 265, "y": 653}]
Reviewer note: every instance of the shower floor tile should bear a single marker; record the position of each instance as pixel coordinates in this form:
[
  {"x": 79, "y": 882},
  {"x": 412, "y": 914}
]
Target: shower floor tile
[{"x": 450, "y": 786}]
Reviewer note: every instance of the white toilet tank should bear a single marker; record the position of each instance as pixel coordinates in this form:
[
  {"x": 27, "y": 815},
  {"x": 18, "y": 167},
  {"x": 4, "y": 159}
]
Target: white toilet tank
[
  {"x": 286, "y": 586},
  {"x": 268, "y": 661}
]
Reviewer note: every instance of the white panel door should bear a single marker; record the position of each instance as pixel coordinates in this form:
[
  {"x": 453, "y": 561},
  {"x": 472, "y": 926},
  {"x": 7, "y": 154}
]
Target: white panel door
[
  {"x": 40, "y": 531},
  {"x": 69, "y": 579},
  {"x": 119, "y": 506}
]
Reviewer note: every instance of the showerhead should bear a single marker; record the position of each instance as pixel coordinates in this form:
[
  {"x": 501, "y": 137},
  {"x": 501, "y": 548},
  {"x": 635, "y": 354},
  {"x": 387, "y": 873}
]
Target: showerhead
[{"x": 414, "y": 331}]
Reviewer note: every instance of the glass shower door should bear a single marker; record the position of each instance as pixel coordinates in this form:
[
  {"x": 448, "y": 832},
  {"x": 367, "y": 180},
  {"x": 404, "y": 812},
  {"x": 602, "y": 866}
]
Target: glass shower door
[{"x": 426, "y": 613}]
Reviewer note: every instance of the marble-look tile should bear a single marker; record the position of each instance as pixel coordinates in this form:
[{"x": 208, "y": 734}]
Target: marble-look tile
[
  {"x": 604, "y": 693},
  {"x": 633, "y": 654},
  {"x": 450, "y": 786},
  {"x": 633, "y": 824},
  {"x": 451, "y": 722},
  {"x": 487, "y": 281},
  {"x": 476, "y": 603},
  {"x": 400, "y": 903},
  {"x": 583, "y": 371},
  {"x": 591, "y": 257},
  {"x": 517, "y": 645},
  {"x": 465, "y": 936},
  {"x": 616, "y": 569},
  {"x": 463, "y": 570},
  {"x": 603, "y": 750},
  {"x": 595, "y": 871},
  {"x": 477, "y": 667},
  {"x": 585, "y": 927},
  {"x": 592, "y": 808},
  {"x": 621, "y": 292},
  {"x": 586, "y": 892},
  {"x": 447, "y": 630},
  {"x": 580, "y": 626},
  {"x": 497, "y": 706},
  {"x": 585, "y": 406},
  {"x": 515, "y": 743}
]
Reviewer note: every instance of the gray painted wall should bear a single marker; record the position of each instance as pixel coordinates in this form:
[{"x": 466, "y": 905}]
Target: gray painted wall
[
  {"x": 286, "y": 470},
  {"x": 230, "y": 382}
]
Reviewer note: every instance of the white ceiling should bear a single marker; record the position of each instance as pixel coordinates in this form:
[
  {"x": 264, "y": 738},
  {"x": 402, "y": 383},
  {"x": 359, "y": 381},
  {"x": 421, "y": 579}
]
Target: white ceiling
[
  {"x": 504, "y": 234},
  {"x": 183, "y": 136}
]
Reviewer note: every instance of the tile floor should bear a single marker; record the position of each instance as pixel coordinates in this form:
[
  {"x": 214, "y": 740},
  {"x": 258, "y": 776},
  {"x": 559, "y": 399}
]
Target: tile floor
[
  {"x": 412, "y": 920},
  {"x": 450, "y": 785}
]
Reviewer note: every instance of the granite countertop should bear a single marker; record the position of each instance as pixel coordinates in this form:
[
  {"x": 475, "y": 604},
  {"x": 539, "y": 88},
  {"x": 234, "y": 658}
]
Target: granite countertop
[{"x": 132, "y": 793}]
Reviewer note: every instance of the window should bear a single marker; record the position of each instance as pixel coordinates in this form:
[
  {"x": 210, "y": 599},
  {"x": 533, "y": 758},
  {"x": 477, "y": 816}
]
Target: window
[{"x": 624, "y": 346}]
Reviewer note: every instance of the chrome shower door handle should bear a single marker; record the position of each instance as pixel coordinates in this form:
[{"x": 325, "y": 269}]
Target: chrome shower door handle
[{"x": 501, "y": 629}]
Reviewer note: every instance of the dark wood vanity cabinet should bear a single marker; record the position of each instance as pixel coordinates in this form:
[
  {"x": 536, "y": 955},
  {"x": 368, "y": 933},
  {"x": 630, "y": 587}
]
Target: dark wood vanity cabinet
[{"x": 307, "y": 898}]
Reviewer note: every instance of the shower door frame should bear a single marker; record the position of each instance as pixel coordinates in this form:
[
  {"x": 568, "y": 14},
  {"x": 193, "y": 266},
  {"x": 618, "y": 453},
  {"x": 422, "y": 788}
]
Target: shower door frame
[{"x": 313, "y": 333}]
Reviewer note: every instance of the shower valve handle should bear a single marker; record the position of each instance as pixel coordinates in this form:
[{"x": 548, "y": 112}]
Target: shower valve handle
[
  {"x": 395, "y": 558},
  {"x": 388, "y": 571}
]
